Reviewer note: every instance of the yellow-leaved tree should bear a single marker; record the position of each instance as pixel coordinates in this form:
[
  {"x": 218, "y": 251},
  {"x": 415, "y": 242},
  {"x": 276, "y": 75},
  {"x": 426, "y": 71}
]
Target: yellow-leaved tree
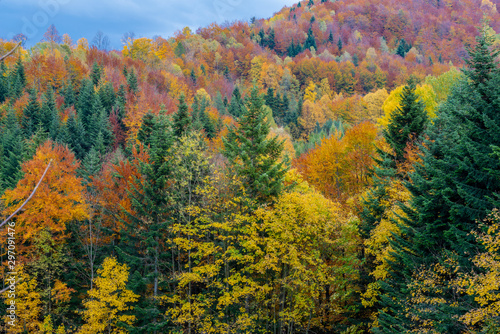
[
  {"x": 485, "y": 286},
  {"x": 27, "y": 302},
  {"x": 109, "y": 300},
  {"x": 309, "y": 262},
  {"x": 426, "y": 94}
]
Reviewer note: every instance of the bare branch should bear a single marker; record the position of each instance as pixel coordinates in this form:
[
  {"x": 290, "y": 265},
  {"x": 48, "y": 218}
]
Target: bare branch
[
  {"x": 31, "y": 195},
  {"x": 8, "y": 287},
  {"x": 10, "y": 52}
]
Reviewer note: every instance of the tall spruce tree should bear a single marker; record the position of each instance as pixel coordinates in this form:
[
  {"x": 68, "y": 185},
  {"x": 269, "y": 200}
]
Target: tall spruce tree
[
  {"x": 31, "y": 115},
  {"x": 253, "y": 156},
  {"x": 453, "y": 186},
  {"x": 12, "y": 147},
  {"x": 4, "y": 82},
  {"x": 146, "y": 239},
  {"x": 407, "y": 121},
  {"x": 182, "y": 119}
]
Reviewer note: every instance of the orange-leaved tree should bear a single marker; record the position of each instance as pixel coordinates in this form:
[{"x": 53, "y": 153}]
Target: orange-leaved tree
[{"x": 58, "y": 200}]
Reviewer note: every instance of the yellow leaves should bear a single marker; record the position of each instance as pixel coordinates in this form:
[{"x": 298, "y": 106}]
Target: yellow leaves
[
  {"x": 310, "y": 92},
  {"x": 426, "y": 94},
  {"x": 307, "y": 239},
  {"x": 82, "y": 44},
  {"x": 108, "y": 300},
  {"x": 339, "y": 167},
  {"x": 373, "y": 103},
  {"x": 202, "y": 94},
  {"x": 485, "y": 286},
  {"x": 27, "y": 302}
]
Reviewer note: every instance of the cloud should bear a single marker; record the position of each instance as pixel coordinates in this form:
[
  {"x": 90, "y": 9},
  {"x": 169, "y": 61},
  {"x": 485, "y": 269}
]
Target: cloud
[{"x": 114, "y": 17}]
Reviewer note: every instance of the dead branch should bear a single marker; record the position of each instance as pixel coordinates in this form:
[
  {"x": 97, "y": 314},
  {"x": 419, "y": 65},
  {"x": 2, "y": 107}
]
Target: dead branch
[
  {"x": 10, "y": 52},
  {"x": 31, "y": 195}
]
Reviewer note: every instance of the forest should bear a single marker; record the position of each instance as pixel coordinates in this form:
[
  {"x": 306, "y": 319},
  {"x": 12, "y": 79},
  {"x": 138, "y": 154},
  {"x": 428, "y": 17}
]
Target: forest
[{"x": 331, "y": 169}]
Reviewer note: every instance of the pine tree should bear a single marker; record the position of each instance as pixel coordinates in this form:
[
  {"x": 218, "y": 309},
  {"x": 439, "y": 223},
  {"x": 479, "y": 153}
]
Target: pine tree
[
  {"x": 107, "y": 95},
  {"x": 236, "y": 106},
  {"x": 403, "y": 48},
  {"x": 12, "y": 147},
  {"x": 453, "y": 186},
  {"x": 408, "y": 121},
  {"x": 69, "y": 95},
  {"x": 146, "y": 237},
  {"x": 73, "y": 134},
  {"x": 330, "y": 37},
  {"x": 96, "y": 73},
  {"x": 4, "y": 82},
  {"x": 339, "y": 44},
  {"x": 86, "y": 101},
  {"x": 310, "y": 40},
  {"x": 182, "y": 119},
  {"x": 48, "y": 110},
  {"x": 31, "y": 115},
  {"x": 253, "y": 156},
  {"x": 133, "y": 85}
]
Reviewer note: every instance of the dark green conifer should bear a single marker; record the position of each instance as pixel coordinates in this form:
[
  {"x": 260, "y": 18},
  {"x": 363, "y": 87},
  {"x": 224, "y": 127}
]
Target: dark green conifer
[
  {"x": 96, "y": 73},
  {"x": 407, "y": 122},
  {"x": 182, "y": 119},
  {"x": 132, "y": 83},
  {"x": 254, "y": 157},
  {"x": 310, "y": 40},
  {"x": 31, "y": 115},
  {"x": 453, "y": 187},
  {"x": 4, "y": 82}
]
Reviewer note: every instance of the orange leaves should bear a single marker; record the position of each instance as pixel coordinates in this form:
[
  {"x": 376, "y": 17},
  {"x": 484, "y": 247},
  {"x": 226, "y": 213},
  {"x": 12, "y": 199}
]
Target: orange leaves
[
  {"x": 113, "y": 186},
  {"x": 339, "y": 167},
  {"x": 58, "y": 200},
  {"x": 43, "y": 72}
]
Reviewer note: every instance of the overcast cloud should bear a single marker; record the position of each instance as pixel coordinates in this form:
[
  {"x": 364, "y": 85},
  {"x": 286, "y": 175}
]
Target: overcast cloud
[{"x": 146, "y": 18}]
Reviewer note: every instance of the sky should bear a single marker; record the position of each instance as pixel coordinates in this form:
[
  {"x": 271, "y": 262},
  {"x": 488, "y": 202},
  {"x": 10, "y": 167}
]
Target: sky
[{"x": 146, "y": 18}]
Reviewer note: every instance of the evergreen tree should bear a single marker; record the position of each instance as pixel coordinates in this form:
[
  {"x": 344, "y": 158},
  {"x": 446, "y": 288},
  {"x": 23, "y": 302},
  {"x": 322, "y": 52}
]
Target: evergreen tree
[
  {"x": 147, "y": 236},
  {"x": 355, "y": 60},
  {"x": 48, "y": 110},
  {"x": 180, "y": 50},
  {"x": 310, "y": 40},
  {"x": 12, "y": 148},
  {"x": 86, "y": 101},
  {"x": 254, "y": 157},
  {"x": 330, "y": 37},
  {"x": 262, "y": 35},
  {"x": 193, "y": 77},
  {"x": 107, "y": 95},
  {"x": 403, "y": 48},
  {"x": 236, "y": 106},
  {"x": 69, "y": 95},
  {"x": 182, "y": 120},
  {"x": 4, "y": 82},
  {"x": 339, "y": 44},
  {"x": 407, "y": 122},
  {"x": 31, "y": 115},
  {"x": 133, "y": 85},
  {"x": 271, "y": 43},
  {"x": 219, "y": 104},
  {"x": 120, "y": 101},
  {"x": 96, "y": 73},
  {"x": 73, "y": 134},
  {"x": 453, "y": 186}
]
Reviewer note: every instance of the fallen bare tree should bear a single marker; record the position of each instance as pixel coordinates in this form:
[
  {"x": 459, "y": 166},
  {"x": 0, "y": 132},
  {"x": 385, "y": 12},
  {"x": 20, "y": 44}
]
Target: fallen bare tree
[{"x": 10, "y": 52}]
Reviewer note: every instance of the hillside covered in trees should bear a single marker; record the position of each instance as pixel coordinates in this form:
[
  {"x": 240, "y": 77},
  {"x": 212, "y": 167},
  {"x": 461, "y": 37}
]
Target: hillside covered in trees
[{"x": 331, "y": 169}]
